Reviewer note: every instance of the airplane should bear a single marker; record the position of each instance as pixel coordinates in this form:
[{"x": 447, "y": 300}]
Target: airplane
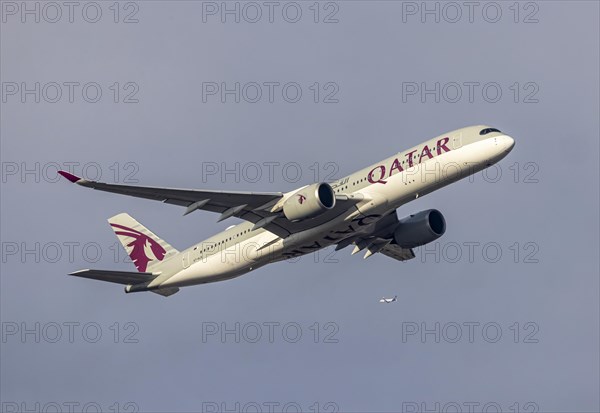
[
  {"x": 359, "y": 210},
  {"x": 389, "y": 300}
]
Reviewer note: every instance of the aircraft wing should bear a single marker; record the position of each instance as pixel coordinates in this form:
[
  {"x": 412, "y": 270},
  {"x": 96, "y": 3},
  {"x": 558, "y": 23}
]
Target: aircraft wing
[
  {"x": 380, "y": 240},
  {"x": 397, "y": 252},
  {"x": 250, "y": 206}
]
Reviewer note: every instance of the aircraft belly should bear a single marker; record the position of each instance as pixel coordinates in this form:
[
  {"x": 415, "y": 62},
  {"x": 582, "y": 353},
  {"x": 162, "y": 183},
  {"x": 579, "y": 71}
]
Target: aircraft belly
[{"x": 217, "y": 267}]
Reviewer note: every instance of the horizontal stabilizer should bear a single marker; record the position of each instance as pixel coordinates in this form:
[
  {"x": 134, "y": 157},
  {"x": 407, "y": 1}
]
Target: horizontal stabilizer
[{"x": 119, "y": 277}]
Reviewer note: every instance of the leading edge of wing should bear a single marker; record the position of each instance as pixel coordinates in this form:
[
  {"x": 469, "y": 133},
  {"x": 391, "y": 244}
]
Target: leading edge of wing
[{"x": 132, "y": 190}]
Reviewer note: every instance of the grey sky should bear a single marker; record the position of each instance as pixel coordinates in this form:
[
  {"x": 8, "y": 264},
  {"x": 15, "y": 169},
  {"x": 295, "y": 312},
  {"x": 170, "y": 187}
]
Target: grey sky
[{"x": 542, "y": 213}]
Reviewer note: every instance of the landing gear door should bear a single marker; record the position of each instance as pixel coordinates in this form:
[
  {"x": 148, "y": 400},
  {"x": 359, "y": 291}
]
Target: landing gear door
[{"x": 457, "y": 140}]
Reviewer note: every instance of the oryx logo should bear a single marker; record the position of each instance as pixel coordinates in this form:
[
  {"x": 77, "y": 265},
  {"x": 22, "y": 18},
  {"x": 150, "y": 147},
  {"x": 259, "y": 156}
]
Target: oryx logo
[
  {"x": 301, "y": 199},
  {"x": 142, "y": 249}
]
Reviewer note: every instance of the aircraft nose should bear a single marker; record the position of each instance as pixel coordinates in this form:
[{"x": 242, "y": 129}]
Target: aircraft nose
[{"x": 506, "y": 142}]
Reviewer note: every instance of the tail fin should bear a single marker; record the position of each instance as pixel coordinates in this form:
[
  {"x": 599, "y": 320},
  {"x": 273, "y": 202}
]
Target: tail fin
[{"x": 144, "y": 248}]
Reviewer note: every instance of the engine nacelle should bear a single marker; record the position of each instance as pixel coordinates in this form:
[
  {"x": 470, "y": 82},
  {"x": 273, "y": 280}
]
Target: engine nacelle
[
  {"x": 309, "y": 202},
  {"x": 420, "y": 228}
]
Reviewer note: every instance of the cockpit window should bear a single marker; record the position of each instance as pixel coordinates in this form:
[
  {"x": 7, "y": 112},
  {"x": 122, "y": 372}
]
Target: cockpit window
[{"x": 488, "y": 130}]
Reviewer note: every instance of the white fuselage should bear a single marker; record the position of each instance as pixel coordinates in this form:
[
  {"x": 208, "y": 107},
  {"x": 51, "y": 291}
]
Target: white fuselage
[{"x": 376, "y": 190}]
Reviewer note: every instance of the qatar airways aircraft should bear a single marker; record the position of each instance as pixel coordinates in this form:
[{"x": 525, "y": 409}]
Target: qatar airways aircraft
[{"x": 359, "y": 209}]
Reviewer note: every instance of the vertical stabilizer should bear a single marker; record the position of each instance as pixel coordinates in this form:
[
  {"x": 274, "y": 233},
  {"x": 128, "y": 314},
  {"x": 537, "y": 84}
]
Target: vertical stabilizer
[{"x": 145, "y": 249}]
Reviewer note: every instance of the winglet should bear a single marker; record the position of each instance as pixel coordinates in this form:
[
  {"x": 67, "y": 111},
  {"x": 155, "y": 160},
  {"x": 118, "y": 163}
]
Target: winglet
[{"x": 69, "y": 176}]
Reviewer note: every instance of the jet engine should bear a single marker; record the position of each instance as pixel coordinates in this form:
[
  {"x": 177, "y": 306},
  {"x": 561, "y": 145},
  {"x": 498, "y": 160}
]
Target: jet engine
[
  {"x": 420, "y": 228},
  {"x": 309, "y": 202}
]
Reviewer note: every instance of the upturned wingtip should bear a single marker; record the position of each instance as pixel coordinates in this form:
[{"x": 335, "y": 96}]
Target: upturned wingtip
[{"x": 69, "y": 176}]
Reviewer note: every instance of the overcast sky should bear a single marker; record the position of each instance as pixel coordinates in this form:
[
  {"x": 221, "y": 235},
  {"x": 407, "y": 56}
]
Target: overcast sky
[{"x": 501, "y": 312}]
